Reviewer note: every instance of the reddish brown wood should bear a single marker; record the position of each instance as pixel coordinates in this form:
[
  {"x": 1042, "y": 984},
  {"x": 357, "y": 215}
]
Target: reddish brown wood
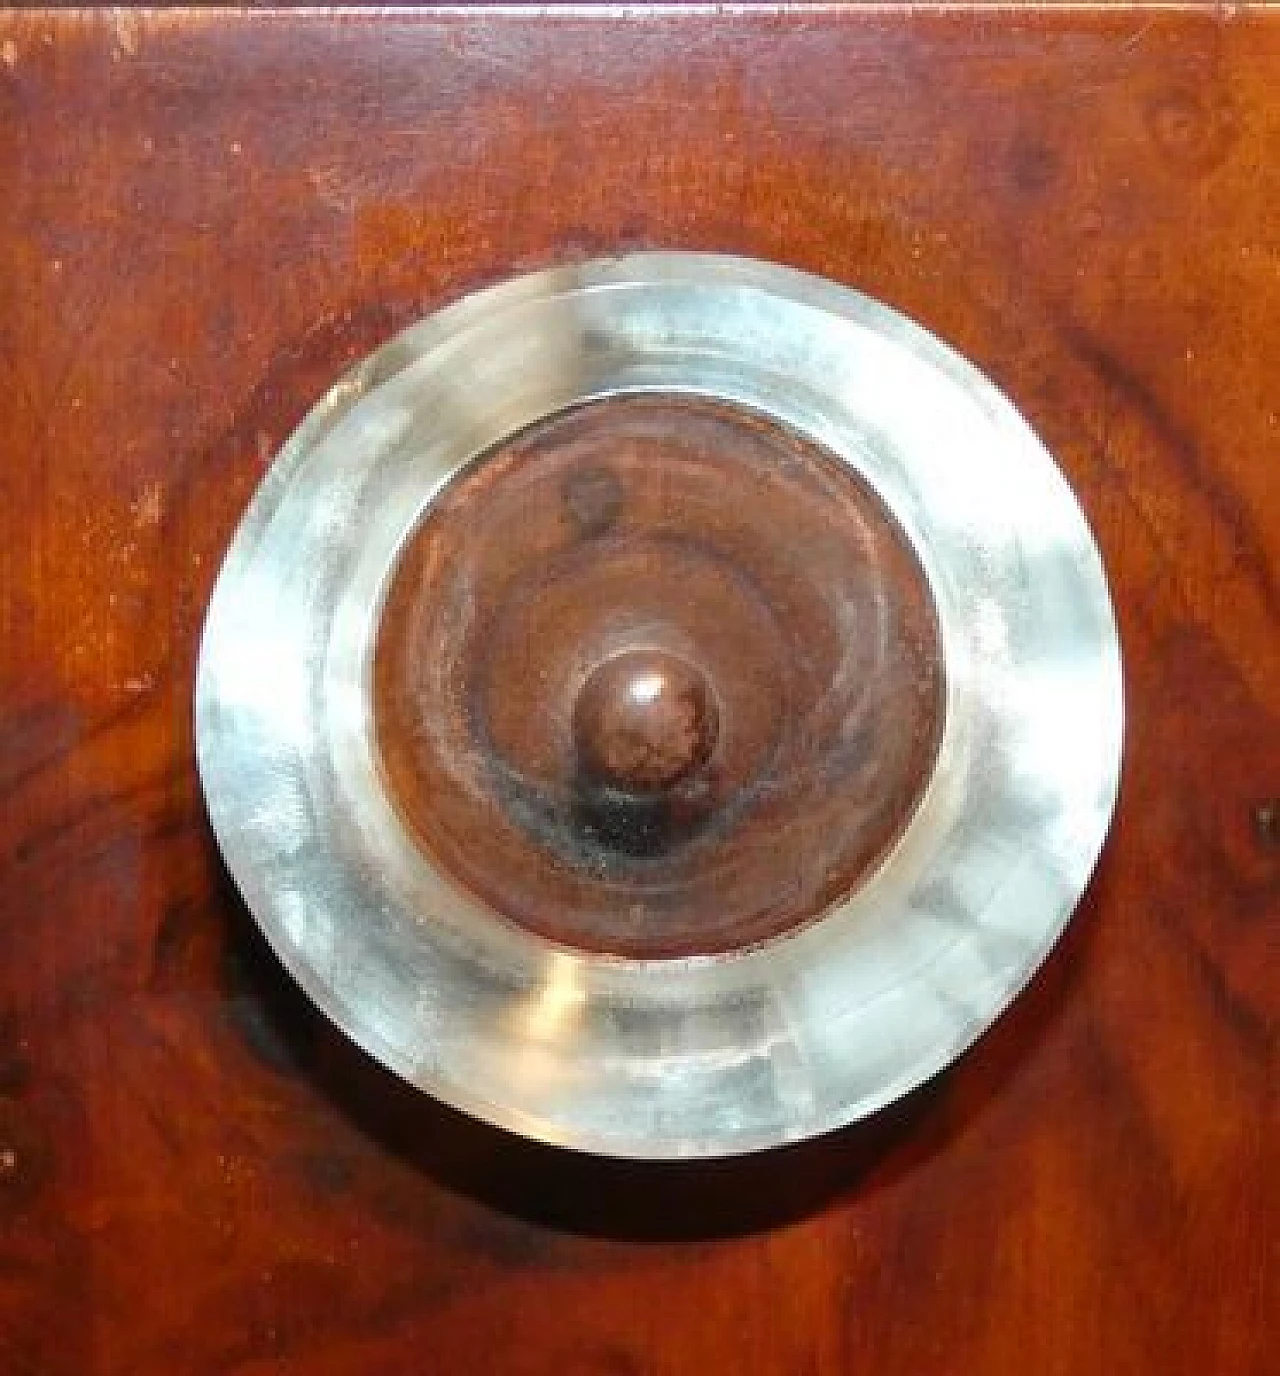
[
  {"x": 203, "y": 218},
  {"x": 661, "y": 531}
]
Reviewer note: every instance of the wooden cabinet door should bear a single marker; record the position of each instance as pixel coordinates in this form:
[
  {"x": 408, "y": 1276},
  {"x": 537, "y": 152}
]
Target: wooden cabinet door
[{"x": 204, "y": 216}]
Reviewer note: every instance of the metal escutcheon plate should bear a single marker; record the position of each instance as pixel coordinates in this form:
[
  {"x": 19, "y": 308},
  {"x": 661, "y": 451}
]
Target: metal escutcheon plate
[{"x": 705, "y": 1054}]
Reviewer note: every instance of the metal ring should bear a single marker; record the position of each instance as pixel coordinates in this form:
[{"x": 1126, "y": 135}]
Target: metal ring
[{"x": 701, "y": 1056}]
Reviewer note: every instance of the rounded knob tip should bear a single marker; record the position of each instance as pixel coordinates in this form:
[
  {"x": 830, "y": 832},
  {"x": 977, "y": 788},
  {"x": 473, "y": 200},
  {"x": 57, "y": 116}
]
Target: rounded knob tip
[{"x": 644, "y": 720}]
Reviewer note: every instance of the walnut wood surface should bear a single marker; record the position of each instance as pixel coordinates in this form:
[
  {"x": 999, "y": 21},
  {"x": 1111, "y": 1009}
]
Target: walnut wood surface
[{"x": 203, "y": 218}]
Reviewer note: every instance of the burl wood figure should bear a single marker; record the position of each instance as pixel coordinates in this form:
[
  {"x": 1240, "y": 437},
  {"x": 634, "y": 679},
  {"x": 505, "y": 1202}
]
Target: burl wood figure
[{"x": 206, "y": 216}]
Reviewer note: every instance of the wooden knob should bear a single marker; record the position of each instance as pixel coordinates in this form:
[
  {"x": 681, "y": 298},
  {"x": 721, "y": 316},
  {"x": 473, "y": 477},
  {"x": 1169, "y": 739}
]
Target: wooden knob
[
  {"x": 657, "y": 678},
  {"x": 644, "y": 720}
]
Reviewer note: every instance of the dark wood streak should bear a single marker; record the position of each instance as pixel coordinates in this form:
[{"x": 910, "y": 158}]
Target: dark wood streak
[
  {"x": 1249, "y": 545},
  {"x": 50, "y": 737},
  {"x": 98, "y": 813},
  {"x": 1253, "y": 1028}
]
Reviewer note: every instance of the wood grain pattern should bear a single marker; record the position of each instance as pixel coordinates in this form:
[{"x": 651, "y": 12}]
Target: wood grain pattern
[{"x": 204, "y": 217}]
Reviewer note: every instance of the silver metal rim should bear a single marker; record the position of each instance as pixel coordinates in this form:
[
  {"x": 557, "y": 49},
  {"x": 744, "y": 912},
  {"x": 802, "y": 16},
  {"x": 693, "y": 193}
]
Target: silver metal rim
[{"x": 705, "y": 1056}]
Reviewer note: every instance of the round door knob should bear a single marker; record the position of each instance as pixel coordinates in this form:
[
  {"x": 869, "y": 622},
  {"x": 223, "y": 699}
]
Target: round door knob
[{"x": 665, "y": 706}]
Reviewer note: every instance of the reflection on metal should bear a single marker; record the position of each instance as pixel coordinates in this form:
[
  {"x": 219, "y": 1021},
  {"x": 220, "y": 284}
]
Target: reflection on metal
[
  {"x": 555, "y": 1006},
  {"x": 706, "y": 1055}
]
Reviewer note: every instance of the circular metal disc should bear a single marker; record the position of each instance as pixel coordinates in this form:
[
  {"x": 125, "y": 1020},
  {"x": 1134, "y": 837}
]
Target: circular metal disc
[{"x": 701, "y": 1055}]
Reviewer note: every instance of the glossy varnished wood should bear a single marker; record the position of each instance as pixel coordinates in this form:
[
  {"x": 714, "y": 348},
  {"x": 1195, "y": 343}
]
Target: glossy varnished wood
[{"x": 203, "y": 219}]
